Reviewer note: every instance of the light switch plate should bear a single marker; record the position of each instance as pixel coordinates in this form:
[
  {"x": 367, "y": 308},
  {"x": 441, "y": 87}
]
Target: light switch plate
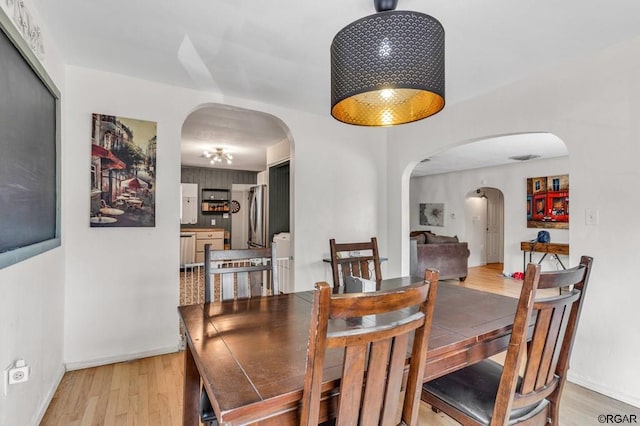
[{"x": 591, "y": 217}]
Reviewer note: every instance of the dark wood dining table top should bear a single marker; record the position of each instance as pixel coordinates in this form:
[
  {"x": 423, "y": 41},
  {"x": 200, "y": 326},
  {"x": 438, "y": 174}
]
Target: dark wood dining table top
[{"x": 251, "y": 353}]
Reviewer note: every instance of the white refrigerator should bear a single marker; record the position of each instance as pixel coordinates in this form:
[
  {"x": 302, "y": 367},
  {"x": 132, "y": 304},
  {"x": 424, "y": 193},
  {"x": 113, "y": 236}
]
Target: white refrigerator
[{"x": 257, "y": 217}]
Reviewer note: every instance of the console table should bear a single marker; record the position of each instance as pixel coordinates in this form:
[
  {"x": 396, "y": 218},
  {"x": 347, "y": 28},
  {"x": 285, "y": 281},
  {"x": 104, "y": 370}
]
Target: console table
[{"x": 554, "y": 249}]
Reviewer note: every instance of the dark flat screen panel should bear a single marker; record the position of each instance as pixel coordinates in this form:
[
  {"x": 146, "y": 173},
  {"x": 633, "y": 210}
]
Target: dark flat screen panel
[{"x": 28, "y": 180}]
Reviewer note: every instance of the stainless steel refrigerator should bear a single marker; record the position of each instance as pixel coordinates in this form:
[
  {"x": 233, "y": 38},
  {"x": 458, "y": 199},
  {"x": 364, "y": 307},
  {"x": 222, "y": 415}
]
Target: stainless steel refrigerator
[{"x": 257, "y": 216}]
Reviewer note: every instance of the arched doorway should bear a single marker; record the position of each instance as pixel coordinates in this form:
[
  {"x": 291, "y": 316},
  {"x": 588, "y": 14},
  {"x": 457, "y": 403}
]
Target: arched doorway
[
  {"x": 484, "y": 216},
  {"x": 254, "y": 142},
  {"x": 256, "y": 148},
  {"x": 499, "y": 165}
]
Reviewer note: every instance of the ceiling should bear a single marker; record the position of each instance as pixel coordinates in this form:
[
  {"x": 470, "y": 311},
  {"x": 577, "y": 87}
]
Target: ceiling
[
  {"x": 492, "y": 152},
  {"x": 277, "y": 51},
  {"x": 244, "y": 134}
]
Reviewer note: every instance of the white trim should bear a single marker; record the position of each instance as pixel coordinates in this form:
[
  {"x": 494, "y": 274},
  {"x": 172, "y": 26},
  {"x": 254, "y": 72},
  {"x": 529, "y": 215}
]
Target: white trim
[
  {"x": 42, "y": 410},
  {"x": 604, "y": 390},
  {"x": 71, "y": 366}
]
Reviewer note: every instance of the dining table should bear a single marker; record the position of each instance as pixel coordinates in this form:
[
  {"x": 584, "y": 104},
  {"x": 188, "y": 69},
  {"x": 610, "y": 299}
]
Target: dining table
[{"x": 249, "y": 354}]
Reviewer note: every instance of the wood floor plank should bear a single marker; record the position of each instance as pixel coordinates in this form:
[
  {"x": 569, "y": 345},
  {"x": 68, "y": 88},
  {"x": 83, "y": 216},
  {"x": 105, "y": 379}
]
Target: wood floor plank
[
  {"x": 102, "y": 392},
  {"x": 115, "y": 377},
  {"x": 123, "y": 389},
  {"x": 89, "y": 414},
  {"x": 148, "y": 391},
  {"x": 154, "y": 389},
  {"x": 143, "y": 399},
  {"x": 78, "y": 395},
  {"x": 110, "y": 412}
]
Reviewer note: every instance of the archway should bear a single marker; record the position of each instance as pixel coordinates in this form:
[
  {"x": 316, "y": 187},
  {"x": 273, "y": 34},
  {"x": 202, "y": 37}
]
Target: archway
[
  {"x": 499, "y": 165},
  {"x": 254, "y": 144},
  {"x": 484, "y": 220}
]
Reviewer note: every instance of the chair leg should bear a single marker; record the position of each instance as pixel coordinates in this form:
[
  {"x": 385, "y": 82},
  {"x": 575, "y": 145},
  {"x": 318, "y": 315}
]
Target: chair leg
[
  {"x": 554, "y": 412},
  {"x": 207, "y": 416}
]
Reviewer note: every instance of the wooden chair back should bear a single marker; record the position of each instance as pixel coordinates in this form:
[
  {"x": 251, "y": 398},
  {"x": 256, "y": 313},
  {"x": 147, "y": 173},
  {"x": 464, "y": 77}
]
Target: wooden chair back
[
  {"x": 552, "y": 337},
  {"x": 235, "y": 274},
  {"x": 347, "y": 260},
  {"x": 375, "y": 352}
]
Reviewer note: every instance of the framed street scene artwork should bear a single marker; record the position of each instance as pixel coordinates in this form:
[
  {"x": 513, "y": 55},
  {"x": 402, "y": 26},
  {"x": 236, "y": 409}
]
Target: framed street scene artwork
[
  {"x": 123, "y": 172},
  {"x": 548, "y": 202}
]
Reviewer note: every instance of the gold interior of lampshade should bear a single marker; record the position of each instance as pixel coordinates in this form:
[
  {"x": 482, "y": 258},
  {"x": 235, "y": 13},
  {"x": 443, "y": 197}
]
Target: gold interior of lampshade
[{"x": 387, "y": 107}]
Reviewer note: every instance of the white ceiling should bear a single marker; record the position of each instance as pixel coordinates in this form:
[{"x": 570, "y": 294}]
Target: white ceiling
[
  {"x": 242, "y": 133},
  {"x": 492, "y": 152},
  {"x": 278, "y": 51}
]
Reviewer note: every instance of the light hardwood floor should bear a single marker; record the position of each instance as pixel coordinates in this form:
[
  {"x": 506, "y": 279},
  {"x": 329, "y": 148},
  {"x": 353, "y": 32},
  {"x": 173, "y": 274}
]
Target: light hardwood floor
[{"x": 149, "y": 391}]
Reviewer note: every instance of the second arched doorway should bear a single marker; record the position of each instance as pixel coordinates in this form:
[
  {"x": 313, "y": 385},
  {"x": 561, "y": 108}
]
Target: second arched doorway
[{"x": 484, "y": 214}]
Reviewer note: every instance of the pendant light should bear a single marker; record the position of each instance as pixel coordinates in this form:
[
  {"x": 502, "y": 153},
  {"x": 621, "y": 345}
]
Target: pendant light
[{"x": 388, "y": 68}]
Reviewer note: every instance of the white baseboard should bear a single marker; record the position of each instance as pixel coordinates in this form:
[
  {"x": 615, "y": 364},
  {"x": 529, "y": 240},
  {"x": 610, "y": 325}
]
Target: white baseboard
[
  {"x": 70, "y": 366},
  {"x": 42, "y": 410},
  {"x": 604, "y": 390}
]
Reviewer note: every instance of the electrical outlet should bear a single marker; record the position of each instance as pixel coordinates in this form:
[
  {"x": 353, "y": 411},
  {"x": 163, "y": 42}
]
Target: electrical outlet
[
  {"x": 213, "y": 221},
  {"x": 14, "y": 374},
  {"x": 19, "y": 373}
]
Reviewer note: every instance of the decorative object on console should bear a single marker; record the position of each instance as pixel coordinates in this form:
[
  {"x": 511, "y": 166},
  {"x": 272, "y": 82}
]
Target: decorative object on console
[
  {"x": 543, "y": 237},
  {"x": 387, "y": 68},
  {"x": 432, "y": 214},
  {"x": 548, "y": 202}
]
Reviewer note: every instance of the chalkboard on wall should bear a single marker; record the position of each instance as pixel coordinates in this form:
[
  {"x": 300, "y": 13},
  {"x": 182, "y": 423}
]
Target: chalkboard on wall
[{"x": 29, "y": 151}]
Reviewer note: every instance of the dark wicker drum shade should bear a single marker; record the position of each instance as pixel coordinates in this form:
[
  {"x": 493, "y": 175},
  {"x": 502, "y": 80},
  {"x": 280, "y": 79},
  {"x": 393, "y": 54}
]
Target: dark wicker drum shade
[{"x": 388, "y": 68}]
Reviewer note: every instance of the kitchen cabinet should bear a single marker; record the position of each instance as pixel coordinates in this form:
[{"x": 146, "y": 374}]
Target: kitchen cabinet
[
  {"x": 213, "y": 236},
  {"x": 217, "y": 237}
]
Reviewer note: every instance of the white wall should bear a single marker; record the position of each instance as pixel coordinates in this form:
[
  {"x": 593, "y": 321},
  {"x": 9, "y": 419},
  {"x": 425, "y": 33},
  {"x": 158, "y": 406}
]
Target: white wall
[
  {"x": 122, "y": 283},
  {"x": 32, "y": 302},
  {"x": 592, "y": 105},
  {"x": 452, "y": 189},
  {"x": 121, "y": 295},
  {"x": 278, "y": 152}
]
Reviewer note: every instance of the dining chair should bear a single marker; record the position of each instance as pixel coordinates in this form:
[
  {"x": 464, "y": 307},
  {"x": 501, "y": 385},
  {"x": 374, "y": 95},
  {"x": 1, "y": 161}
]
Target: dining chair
[
  {"x": 488, "y": 393},
  {"x": 236, "y": 274},
  {"x": 354, "y": 259},
  {"x": 374, "y": 330}
]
